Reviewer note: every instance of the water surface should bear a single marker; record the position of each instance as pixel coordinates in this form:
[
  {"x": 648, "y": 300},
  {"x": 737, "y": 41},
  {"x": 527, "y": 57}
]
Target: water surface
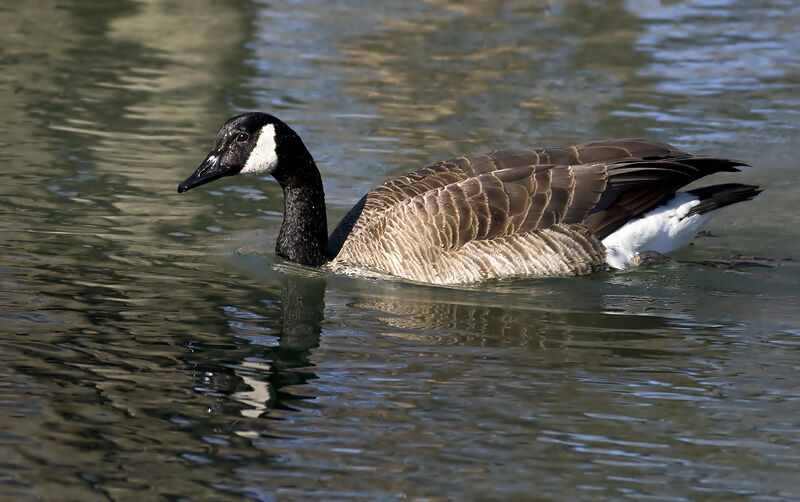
[{"x": 154, "y": 348}]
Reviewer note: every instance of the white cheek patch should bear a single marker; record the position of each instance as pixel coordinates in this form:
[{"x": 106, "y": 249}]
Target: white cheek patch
[{"x": 263, "y": 156}]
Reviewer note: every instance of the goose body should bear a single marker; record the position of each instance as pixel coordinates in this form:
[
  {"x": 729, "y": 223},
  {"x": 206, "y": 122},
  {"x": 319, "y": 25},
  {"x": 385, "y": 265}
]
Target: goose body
[{"x": 508, "y": 213}]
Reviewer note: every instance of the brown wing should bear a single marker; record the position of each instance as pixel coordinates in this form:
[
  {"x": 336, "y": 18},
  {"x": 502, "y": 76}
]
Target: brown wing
[
  {"x": 505, "y": 192},
  {"x": 461, "y": 168}
]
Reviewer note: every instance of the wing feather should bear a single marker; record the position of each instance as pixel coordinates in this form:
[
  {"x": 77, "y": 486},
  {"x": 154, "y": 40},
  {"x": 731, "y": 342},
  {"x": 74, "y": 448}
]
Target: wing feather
[{"x": 483, "y": 197}]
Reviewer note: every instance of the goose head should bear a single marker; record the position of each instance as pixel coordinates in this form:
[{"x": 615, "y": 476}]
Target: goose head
[{"x": 255, "y": 143}]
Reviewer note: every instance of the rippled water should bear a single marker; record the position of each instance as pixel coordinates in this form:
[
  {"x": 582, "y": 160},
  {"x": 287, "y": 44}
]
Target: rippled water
[{"x": 153, "y": 347}]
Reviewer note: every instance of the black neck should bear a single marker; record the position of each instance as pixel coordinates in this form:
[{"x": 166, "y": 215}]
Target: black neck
[{"x": 304, "y": 233}]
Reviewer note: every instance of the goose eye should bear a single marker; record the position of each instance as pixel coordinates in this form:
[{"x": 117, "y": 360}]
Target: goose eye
[{"x": 242, "y": 137}]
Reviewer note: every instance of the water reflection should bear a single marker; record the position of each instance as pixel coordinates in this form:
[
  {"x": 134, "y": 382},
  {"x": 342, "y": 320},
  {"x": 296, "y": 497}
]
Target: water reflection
[
  {"x": 259, "y": 351},
  {"x": 287, "y": 364},
  {"x": 551, "y": 314}
]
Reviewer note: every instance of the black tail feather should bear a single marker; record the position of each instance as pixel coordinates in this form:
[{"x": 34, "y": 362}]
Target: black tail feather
[
  {"x": 636, "y": 186},
  {"x": 717, "y": 196}
]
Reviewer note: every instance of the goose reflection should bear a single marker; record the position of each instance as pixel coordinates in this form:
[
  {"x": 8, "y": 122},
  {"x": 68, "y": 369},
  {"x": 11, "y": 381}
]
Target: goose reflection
[
  {"x": 559, "y": 313},
  {"x": 275, "y": 358},
  {"x": 624, "y": 314}
]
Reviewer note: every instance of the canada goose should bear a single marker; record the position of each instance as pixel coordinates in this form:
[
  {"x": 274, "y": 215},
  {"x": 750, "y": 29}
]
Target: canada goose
[{"x": 508, "y": 213}]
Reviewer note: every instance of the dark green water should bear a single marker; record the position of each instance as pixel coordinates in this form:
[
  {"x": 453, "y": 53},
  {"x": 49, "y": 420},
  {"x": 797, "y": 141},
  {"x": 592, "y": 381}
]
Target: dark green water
[{"x": 154, "y": 348}]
